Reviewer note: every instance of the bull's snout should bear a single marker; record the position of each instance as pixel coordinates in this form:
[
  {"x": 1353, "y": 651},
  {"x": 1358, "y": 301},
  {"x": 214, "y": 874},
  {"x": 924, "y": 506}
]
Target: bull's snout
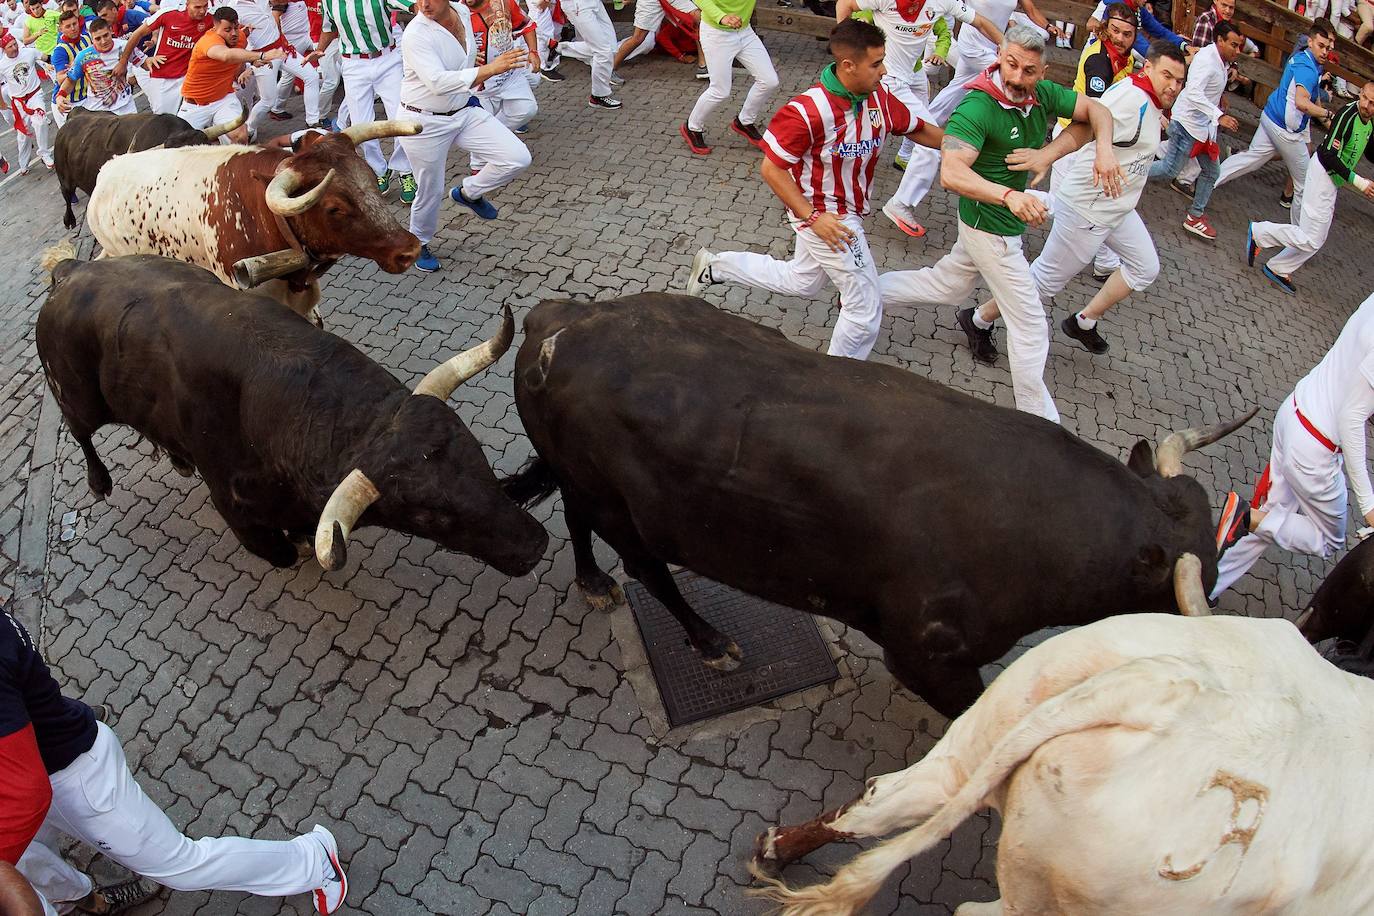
[{"x": 402, "y": 257}]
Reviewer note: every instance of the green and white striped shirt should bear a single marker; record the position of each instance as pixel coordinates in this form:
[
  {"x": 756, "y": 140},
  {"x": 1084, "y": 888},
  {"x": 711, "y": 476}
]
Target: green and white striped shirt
[{"x": 364, "y": 26}]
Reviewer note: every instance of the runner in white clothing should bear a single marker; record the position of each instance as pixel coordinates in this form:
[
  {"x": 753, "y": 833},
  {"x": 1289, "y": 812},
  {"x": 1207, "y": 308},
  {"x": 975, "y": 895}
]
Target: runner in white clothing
[
  {"x": 295, "y": 29},
  {"x": 439, "y": 51},
  {"x": 1085, "y": 218},
  {"x": 907, "y": 25},
  {"x": 1319, "y": 437},
  {"x": 266, "y": 34},
  {"x": 19, "y": 68}
]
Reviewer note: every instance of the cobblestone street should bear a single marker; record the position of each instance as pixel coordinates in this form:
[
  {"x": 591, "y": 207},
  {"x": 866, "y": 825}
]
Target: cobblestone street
[{"x": 481, "y": 744}]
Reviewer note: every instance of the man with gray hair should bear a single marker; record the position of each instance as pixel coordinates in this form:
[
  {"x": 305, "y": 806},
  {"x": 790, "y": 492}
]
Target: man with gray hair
[{"x": 988, "y": 147}]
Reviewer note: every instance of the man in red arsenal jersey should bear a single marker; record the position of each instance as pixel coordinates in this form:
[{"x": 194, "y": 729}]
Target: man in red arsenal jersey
[
  {"x": 179, "y": 30},
  {"x": 820, "y": 151}
]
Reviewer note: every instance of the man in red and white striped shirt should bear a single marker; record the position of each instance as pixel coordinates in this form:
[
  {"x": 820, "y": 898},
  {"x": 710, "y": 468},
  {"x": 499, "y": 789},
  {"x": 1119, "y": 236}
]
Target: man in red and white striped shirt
[{"x": 820, "y": 151}]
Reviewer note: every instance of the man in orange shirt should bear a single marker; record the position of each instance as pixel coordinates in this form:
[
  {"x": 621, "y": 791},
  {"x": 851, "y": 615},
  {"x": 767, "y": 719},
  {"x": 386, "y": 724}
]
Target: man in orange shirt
[{"x": 208, "y": 95}]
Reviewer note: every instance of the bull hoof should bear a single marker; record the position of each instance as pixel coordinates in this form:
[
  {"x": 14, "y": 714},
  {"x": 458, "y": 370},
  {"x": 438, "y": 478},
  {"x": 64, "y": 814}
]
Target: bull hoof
[
  {"x": 98, "y": 479},
  {"x": 764, "y": 863},
  {"x": 602, "y": 593},
  {"x": 729, "y": 660},
  {"x": 182, "y": 466}
]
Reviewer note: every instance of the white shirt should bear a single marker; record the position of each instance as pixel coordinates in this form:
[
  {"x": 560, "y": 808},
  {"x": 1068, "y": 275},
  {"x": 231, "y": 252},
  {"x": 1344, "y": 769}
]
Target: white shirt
[
  {"x": 998, "y": 12},
  {"x": 1135, "y": 137},
  {"x": 295, "y": 24},
  {"x": 1337, "y": 397},
  {"x": 907, "y": 41},
  {"x": 1199, "y": 105},
  {"x": 19, "y": 74},
  {"x": 257, "y": 14},
  {"x": 437, "y": 72}
]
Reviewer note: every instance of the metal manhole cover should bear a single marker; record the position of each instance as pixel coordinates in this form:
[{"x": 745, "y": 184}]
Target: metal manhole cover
[{"x": 783, "y": 650}]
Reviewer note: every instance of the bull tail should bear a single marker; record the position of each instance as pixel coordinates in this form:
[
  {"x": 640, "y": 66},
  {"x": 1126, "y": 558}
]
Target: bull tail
[
  {"x": 532, "y": 484},
  {"x": 1145, "y": 693},
  {"x": 55, "y": 256}
]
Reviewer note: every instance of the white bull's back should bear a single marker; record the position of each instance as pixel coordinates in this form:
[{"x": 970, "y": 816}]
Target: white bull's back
[{"x": 162, "y": 201}]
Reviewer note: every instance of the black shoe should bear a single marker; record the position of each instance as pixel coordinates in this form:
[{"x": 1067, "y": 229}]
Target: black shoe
[
  {"x": 279, "y": 115},
  {"x": 979, "y": 341},
  {"x": 1182, "y": 187},
  {"x": 1089, "y": 338},
  {"x": 603, "y": 101},
  {"x": 1286, "y": 201},
  {"x": 127, "y": 895},
  {"x": 1234, "y": 523},
  {"x": 552, "y": 74},
  {"x": 1101, "y": 277}
]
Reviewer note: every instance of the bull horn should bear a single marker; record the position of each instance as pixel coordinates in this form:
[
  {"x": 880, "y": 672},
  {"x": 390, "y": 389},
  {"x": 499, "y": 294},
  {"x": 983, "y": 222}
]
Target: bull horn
[
  {"x": 1169, "y": 455},
  {"x": 346, "y": 504},
  {"x": 215, "y": 131},
  {"x": 254, "y": 271},
  {"x": 380, "y": 130},
  {"x": 1303, "y": 618},
  {"x": 281, "y": 193},
  {"x": 1188, "y": 592},
  {"x": 448, "y": 375}
]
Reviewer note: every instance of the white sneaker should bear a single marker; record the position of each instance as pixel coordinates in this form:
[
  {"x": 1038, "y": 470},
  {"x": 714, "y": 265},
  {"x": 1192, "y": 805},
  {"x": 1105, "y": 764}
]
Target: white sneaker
[
  {"x": 700, "y": 277},
  {"x": 330, "y": 895}
]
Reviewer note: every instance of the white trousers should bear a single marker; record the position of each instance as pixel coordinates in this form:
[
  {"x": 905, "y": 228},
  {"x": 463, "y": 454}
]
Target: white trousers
[
  {"x": 596, "y": 41},
  {"x": 969, "y": 65},
  {"x": 1306, "y": 504},
  {"x": 312, "y": 86},
  {"x": 270, "y": 96},
  {"x": 722, "y": 47},
  {"x": 999, "y": 260},
  {"x": 478, "y": 132},
  {"x": 97, "y": 801},
  {"x": 365, "y": 80},
  {"x": 1074, "y": 241},
  {"x": 922, "y": 162},
  {"x": 164, "y": 95},
  {"x": 545, "y": 30},
  {"x": 329, "y": 77},
  {"x": 1305, "y": 236},
  {"x": 1270, "y": 140},
  {"x": 200, "y": 117},
  {"x": 513, "y": 105},
  {"x": 851, "y": 270},
  {"x": 919, "y": 84},
  {"x": 37, "y": 125}
]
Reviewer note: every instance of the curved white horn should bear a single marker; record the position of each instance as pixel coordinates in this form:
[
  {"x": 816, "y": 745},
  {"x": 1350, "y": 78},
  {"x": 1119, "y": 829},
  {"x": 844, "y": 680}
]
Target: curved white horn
[
  {"x": 1188, "y": 592},
  {"x": 448, "y": 375},
  {"x": 280, "y": 193},
  {"x": 379, "y": 130},
  {"x": 215, "y": 131},
  {"x": 1169, "y": 455},
  {"x": 346, "y": 504}
]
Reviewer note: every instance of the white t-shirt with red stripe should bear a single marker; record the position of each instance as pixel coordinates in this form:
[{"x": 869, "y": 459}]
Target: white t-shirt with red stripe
[{"x": 831, "y": 149}]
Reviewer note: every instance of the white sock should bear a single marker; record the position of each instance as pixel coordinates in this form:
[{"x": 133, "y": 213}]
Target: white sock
[
  {"x": 1086, "y": 324},
  {"x": 979, "y": 323}
]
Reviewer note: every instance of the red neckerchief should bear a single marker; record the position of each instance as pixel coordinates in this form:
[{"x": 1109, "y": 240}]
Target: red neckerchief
[
  {"x": 1119, "y": 60},
  {"x": 986, "y": 83},
  {"x": 1147, "y": 87},
  {"x": 910, "y": 9}
]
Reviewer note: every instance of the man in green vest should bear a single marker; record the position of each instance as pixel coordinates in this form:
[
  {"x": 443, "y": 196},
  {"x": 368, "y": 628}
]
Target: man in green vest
[
  {"x": 987, "y": 145},
  {"x": 1331, "y": 166}
]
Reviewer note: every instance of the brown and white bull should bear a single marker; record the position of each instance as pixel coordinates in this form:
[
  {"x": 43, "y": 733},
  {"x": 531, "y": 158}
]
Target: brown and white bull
[
  {"x": 288, "y": 217},
  {"x": 1143, "y": 764}
]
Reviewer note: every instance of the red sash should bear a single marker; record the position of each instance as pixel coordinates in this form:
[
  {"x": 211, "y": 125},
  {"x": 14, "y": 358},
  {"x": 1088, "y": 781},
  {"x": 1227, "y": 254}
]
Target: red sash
[{"x": 18, "y": 109}]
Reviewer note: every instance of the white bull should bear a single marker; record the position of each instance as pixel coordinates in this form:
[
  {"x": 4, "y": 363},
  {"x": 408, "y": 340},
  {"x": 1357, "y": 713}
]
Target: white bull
[{"x": 1144, "y": 764}]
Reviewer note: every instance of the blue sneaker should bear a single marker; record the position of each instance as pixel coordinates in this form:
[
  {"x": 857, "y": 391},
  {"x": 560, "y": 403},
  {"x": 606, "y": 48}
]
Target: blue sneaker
[
  {"x": 329, "y": 125},
  {"x": 1251, "y": 249},
  {"x": 481, "y": 206},
  {"x": 1282, "y": 283},
  {"x": 426, "y": 262}
]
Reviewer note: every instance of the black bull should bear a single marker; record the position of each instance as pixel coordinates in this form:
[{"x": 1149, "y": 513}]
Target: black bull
[
  {"x": 294, "y": 431},
  {"x": 90, "y": 139},
  {"x": 943, "y": 527}
]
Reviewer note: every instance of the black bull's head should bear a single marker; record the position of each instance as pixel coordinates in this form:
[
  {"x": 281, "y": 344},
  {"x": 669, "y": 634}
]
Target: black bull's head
[{"x": 423, "y": 472}]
